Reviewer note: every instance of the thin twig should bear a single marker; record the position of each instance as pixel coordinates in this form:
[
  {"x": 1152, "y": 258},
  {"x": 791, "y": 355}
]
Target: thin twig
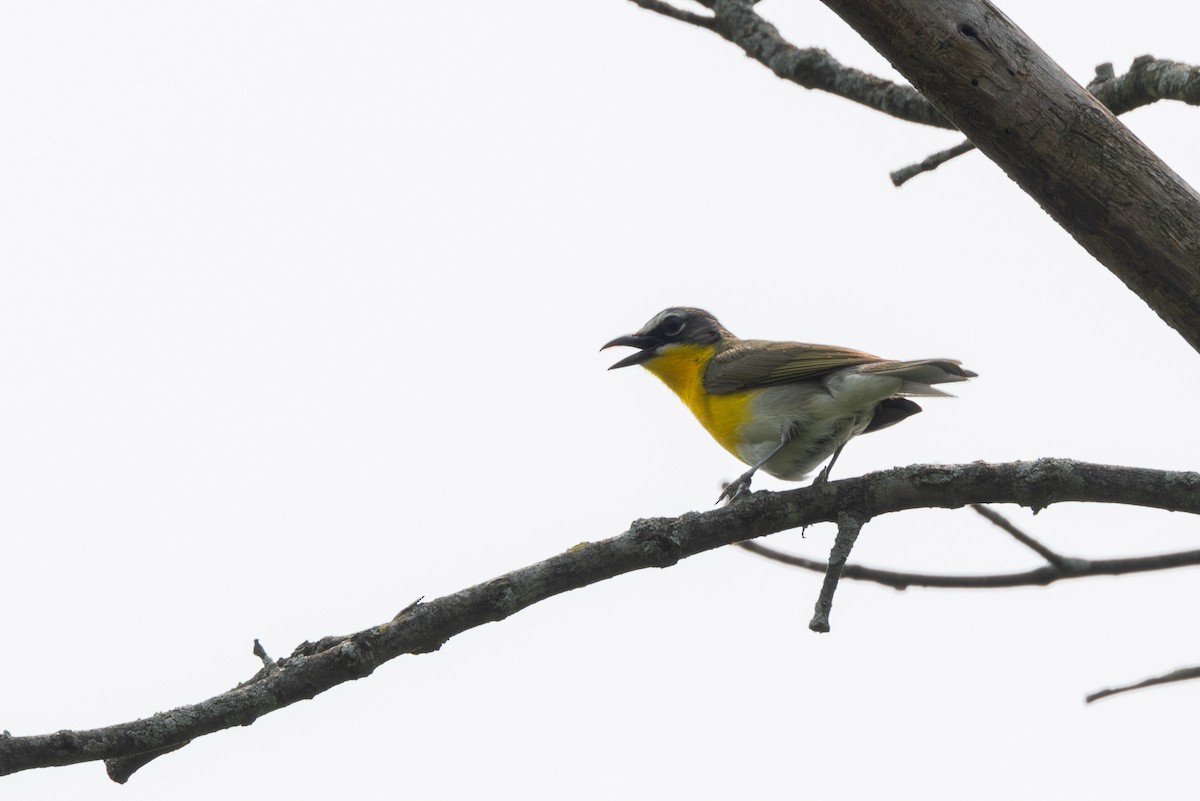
[
  {"x": 261, "y": 653},
  {"x": 409, "y": 608},
  {"x": 905, "y": 174},
  {"x": 1183, "y": 674},
  {"x": 668, "y": 10},
  {"x": 1063, "y": 563},
  {"x": 1038, "y": 577}
]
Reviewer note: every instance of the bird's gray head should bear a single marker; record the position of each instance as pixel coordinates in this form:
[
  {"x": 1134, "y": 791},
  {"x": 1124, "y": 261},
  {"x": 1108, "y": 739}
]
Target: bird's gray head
[{"x": 678, "y": 325}]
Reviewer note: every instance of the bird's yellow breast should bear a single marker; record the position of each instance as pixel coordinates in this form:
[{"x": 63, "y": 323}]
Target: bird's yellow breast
[{"x": 681, "y": 367}]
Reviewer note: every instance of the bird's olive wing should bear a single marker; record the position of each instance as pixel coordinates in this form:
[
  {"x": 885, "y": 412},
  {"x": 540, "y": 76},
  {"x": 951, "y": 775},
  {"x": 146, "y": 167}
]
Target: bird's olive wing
[{"x": 749, "y": 363}]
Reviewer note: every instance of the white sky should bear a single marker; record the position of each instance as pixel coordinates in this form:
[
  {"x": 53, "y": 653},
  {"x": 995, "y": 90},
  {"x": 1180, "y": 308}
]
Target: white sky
[{"x": 300, "y": 316}]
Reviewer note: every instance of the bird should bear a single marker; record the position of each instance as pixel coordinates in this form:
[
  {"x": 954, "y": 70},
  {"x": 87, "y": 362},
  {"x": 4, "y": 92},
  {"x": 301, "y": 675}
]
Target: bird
[{"x": 780, "y": 407}]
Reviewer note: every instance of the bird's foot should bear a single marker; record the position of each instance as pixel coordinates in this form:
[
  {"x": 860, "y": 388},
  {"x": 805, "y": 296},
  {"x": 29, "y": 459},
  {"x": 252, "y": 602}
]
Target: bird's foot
[
  {"x": 737, "y": 488},
  {"x": 823, "y": 476}
]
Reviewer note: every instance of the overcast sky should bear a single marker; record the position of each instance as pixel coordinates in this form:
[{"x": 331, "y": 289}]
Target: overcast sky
[{"x": 300, "y": 312}]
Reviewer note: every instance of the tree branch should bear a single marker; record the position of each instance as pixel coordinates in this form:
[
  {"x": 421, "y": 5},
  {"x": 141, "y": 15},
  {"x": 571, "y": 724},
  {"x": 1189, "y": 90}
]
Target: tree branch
[
  {"x": 1183, "y": 674},
  {"x": 660, "y": 542},
  {"x": 1038, "y": 577},
  {"x": 1149, "y": 79},
  {"x": 813, "y": 68}
]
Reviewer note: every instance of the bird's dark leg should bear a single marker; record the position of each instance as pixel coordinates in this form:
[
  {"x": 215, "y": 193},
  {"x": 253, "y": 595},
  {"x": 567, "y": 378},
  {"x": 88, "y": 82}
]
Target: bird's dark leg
[
  {"x": 823, "y": 476},
  {"x": 741, "y": 484}
]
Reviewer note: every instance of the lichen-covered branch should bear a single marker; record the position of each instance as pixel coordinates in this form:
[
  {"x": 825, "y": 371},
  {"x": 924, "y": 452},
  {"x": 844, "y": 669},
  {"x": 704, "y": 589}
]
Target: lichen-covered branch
[
  {"x": 1148, "y": 80},
  {"x": 423, "y": 627},
  {"x": 738, "y": 22}
]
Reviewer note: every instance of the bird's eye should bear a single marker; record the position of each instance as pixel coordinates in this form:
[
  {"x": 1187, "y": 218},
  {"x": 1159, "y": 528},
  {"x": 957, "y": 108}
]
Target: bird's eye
[{"x": 672, "y": 325}]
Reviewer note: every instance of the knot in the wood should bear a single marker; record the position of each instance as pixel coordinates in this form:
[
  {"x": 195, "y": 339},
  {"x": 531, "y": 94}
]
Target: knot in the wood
[
  {"x": 1038, "y": 484},
  {"x": 657, "y": 541},
  {"x": 501, "y": 599},
  {"x": 64, "y": 741},
  {"x": 356, "y": 658}
]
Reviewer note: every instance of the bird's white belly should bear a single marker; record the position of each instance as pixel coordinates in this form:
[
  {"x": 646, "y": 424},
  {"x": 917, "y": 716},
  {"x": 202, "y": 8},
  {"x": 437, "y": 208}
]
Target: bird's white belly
[{"x": 817, "y": 424}]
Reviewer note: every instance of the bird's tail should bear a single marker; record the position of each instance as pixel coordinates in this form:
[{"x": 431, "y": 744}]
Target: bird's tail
[{"x": 919, "y": 376}]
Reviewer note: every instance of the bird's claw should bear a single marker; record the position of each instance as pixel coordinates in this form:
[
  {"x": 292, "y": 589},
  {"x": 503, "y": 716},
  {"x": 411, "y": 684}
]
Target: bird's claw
[{"x": 735, "y": 489}]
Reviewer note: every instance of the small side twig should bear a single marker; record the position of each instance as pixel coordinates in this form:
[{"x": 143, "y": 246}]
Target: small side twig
[
  {"x": 1183, "y": 674},
  {"x": 848, "y": 527},
  {"x": 121, "y": 769},
  {"x": 904, "y": 174},
  {"x": 1063, "y": 563},
  {"x": 261, "y": 653},
  {"x": 668, "y": 10},
  {"x": 409, "y": 608}
]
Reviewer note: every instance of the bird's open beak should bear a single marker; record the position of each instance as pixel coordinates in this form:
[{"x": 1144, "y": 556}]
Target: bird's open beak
[{"x": 646, "y": 346}]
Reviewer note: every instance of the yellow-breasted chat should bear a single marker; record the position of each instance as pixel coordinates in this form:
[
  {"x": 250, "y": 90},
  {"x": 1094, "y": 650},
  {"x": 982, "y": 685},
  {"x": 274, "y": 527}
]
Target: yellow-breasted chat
[{"x": 783, "y": 407}]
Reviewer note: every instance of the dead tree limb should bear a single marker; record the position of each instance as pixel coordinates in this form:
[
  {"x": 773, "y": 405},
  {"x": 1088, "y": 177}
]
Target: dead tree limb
[{"x": 423, "y": 627}]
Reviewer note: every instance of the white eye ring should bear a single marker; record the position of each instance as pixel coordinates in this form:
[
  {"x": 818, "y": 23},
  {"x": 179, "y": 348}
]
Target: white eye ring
[{"x": 672, "y": 325}]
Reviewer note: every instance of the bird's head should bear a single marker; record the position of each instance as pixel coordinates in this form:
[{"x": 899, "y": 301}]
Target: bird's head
[{"x": 670, "y": 328}]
